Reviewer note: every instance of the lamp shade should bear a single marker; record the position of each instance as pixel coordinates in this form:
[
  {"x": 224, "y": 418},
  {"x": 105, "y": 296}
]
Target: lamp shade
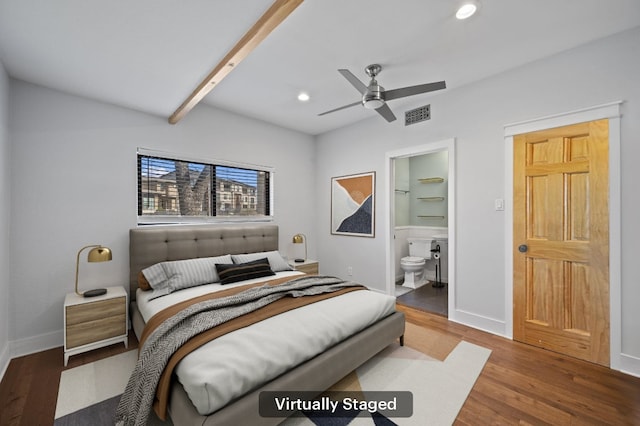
[
  {"x": 299, "y": 239},
  {"x": 97, "y": 253}
]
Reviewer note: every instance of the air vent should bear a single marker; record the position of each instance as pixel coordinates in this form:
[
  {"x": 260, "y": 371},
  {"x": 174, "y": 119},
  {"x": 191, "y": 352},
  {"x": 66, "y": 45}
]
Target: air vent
[{"x": 417, "y": 115}]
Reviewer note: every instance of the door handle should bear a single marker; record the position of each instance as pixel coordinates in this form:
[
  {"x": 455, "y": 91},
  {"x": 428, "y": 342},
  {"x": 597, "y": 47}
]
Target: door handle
[{"x": 522, "y": 248}]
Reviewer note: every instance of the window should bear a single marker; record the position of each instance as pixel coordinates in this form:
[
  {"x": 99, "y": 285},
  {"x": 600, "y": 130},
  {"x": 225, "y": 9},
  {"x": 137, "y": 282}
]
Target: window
[{"x": 172, "y": 189}]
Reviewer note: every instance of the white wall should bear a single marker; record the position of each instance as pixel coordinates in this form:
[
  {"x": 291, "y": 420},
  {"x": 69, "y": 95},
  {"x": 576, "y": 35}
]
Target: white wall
[
  {"x": 475, "y": 115},
  {"x": 5, "y": 190},
  {"x": 74, "y": 183}
]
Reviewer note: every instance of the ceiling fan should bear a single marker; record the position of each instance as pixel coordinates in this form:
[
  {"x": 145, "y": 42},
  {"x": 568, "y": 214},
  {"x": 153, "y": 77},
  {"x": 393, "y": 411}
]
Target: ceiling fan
[{"x": 375, "y": 97}]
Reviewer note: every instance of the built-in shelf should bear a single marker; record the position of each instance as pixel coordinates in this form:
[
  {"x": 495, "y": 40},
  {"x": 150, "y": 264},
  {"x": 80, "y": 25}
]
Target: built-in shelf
[
  {"x": 433, "y": 198},
  {"x": 431, "y": 180}
]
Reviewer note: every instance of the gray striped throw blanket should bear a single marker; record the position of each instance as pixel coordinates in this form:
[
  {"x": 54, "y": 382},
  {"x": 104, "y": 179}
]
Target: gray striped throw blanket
[{"x": 137, "y": 399}]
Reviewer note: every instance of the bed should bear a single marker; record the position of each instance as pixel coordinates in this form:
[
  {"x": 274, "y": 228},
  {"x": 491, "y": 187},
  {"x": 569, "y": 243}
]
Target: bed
[{"x": 153, "y": 245}]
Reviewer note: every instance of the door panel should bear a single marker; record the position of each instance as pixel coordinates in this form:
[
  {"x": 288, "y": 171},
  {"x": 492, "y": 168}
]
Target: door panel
[
  {"x": 561, "y": 214},
  {"x": 578, "y": 221}
]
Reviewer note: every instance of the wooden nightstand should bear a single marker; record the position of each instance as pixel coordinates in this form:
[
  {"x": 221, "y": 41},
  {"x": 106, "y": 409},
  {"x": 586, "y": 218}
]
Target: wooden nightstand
[
  {"x": 308, "y": 266},
  {"x": 93, "y": 322}
]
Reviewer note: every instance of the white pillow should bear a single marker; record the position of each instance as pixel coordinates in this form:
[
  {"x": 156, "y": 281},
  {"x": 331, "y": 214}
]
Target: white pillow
[
  {"x": 276, "y": 261},
  {"x": 167, "y": 277}
]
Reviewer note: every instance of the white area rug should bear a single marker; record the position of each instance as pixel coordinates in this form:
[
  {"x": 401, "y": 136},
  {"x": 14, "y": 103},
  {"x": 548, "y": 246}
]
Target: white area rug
[
  {"x": 439, "y": 388},
  {"x": 89, "y": 384}
]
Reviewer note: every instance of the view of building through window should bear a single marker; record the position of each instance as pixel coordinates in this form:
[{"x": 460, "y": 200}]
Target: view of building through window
[{"x": 171, "y": 187}]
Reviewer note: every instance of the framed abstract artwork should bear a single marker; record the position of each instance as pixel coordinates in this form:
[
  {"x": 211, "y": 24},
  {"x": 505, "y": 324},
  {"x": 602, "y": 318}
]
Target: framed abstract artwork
[{"x": 353, "y": 205}]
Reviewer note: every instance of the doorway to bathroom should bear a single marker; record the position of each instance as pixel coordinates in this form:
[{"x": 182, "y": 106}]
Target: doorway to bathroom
[{"x": 421, "y": 197}]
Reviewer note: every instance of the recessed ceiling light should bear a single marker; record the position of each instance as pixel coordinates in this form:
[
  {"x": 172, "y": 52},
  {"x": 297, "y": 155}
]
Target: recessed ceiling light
[
  {"x": 303, "y": 97},
  {"x": 466, "y": 10}
]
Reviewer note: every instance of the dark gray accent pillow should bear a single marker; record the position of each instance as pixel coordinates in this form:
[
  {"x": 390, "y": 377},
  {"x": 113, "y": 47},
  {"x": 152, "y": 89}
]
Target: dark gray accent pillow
[
  {"x": 244, "y": 271},
  {"x": 276, "y": 261}
]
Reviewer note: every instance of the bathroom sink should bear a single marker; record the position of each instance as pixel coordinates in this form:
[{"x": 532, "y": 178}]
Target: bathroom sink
[{"x": 441, "y": 237}]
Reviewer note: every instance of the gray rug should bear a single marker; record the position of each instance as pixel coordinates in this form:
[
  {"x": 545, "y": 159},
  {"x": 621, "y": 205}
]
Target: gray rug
[{"x": 101, "y": 414}]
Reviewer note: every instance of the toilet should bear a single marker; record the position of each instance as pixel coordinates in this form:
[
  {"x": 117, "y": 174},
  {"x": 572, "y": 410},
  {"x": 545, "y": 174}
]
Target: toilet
[{"x": 413, "y": 265}]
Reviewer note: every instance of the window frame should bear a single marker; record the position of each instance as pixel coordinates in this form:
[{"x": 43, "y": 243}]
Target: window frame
[{"x": 173, "y": 219}]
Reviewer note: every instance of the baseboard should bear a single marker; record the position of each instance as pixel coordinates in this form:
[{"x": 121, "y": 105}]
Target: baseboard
[
  {"x": 18, "y": 348},
  {"x": 630, "y": 365},
  {"x": 490, "y": 325},
  {"x": 35, "y": 344},
  {"x": 4, "y": 360}
]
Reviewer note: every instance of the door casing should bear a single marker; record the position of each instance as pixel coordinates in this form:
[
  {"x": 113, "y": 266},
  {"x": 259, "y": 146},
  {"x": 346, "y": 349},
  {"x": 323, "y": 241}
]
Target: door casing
[{"x": 443, "y": 145}]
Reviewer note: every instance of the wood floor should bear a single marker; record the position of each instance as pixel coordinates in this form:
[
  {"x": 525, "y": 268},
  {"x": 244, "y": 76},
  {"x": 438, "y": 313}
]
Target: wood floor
[
  {"x": 29, "y": 388},
  {"x": 520, "y": 384},
  {"x": 525, "y": 385}
]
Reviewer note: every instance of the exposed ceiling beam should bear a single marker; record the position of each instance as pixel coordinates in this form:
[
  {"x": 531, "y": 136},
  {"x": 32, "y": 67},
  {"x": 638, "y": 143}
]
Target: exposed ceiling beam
[{"x": 273, "y": 17}]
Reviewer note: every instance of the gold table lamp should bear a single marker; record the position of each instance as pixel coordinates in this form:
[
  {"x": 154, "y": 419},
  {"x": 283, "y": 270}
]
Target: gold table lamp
[
  {"x": 299, "y": 239},
  {"x": 98, "y": 253}
]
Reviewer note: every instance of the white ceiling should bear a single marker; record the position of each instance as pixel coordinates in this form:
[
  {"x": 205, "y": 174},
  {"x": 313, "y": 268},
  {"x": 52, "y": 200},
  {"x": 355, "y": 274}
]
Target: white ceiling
[{"x": 150, "y": 55}]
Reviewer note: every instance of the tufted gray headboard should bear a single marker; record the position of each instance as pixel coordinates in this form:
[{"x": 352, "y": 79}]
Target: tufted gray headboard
[{"x": 154, "y": 244}]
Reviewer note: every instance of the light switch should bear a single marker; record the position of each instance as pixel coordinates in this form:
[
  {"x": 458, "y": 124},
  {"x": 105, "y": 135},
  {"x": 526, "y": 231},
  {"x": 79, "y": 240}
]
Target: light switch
[{"x": 499, "y": 204}]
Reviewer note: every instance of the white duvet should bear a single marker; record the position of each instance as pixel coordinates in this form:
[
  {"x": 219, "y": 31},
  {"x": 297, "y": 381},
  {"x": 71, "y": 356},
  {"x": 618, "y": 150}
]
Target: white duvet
[{"x": 238, "y": 362}]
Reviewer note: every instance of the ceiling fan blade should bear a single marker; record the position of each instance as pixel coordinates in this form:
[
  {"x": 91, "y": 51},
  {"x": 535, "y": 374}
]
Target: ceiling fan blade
[
  {"x": 413, "y": 90},
  {"x": 360, "y": 86},
  {"x": 342, "y": 107},
  {"x": 385, "y": 111}
]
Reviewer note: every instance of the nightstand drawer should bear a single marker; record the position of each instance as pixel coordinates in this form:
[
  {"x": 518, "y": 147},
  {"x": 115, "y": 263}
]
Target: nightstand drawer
[
  {"x": 310, "y": 268},
  {"x": 78, "y": 314},
  {"x": 93, "y": 331}
]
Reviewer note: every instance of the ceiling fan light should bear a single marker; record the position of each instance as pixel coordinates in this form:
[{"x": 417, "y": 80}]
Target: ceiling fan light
[
  {"x": 373, "y": 98},
  {"x": 466, "y": 10},
  {"x": 373, "y": 103}
]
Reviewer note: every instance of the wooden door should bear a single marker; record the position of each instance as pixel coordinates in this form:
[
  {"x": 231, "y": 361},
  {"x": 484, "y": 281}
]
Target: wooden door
[{"x": 561, "y": 240}]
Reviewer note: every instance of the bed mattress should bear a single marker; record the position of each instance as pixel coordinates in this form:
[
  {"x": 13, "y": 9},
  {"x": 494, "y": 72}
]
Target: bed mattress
[{"x": 234, "y": 364}]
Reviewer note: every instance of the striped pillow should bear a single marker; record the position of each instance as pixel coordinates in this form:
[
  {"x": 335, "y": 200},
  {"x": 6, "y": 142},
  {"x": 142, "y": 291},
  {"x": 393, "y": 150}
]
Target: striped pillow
[
  {"x": 244, "y": 271},
  {"x": 167, "y": 277}
]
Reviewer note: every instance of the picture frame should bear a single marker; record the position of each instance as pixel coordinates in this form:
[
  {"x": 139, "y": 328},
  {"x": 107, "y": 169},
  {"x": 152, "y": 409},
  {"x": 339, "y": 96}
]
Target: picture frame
[{"x": 353, "y": 205}]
